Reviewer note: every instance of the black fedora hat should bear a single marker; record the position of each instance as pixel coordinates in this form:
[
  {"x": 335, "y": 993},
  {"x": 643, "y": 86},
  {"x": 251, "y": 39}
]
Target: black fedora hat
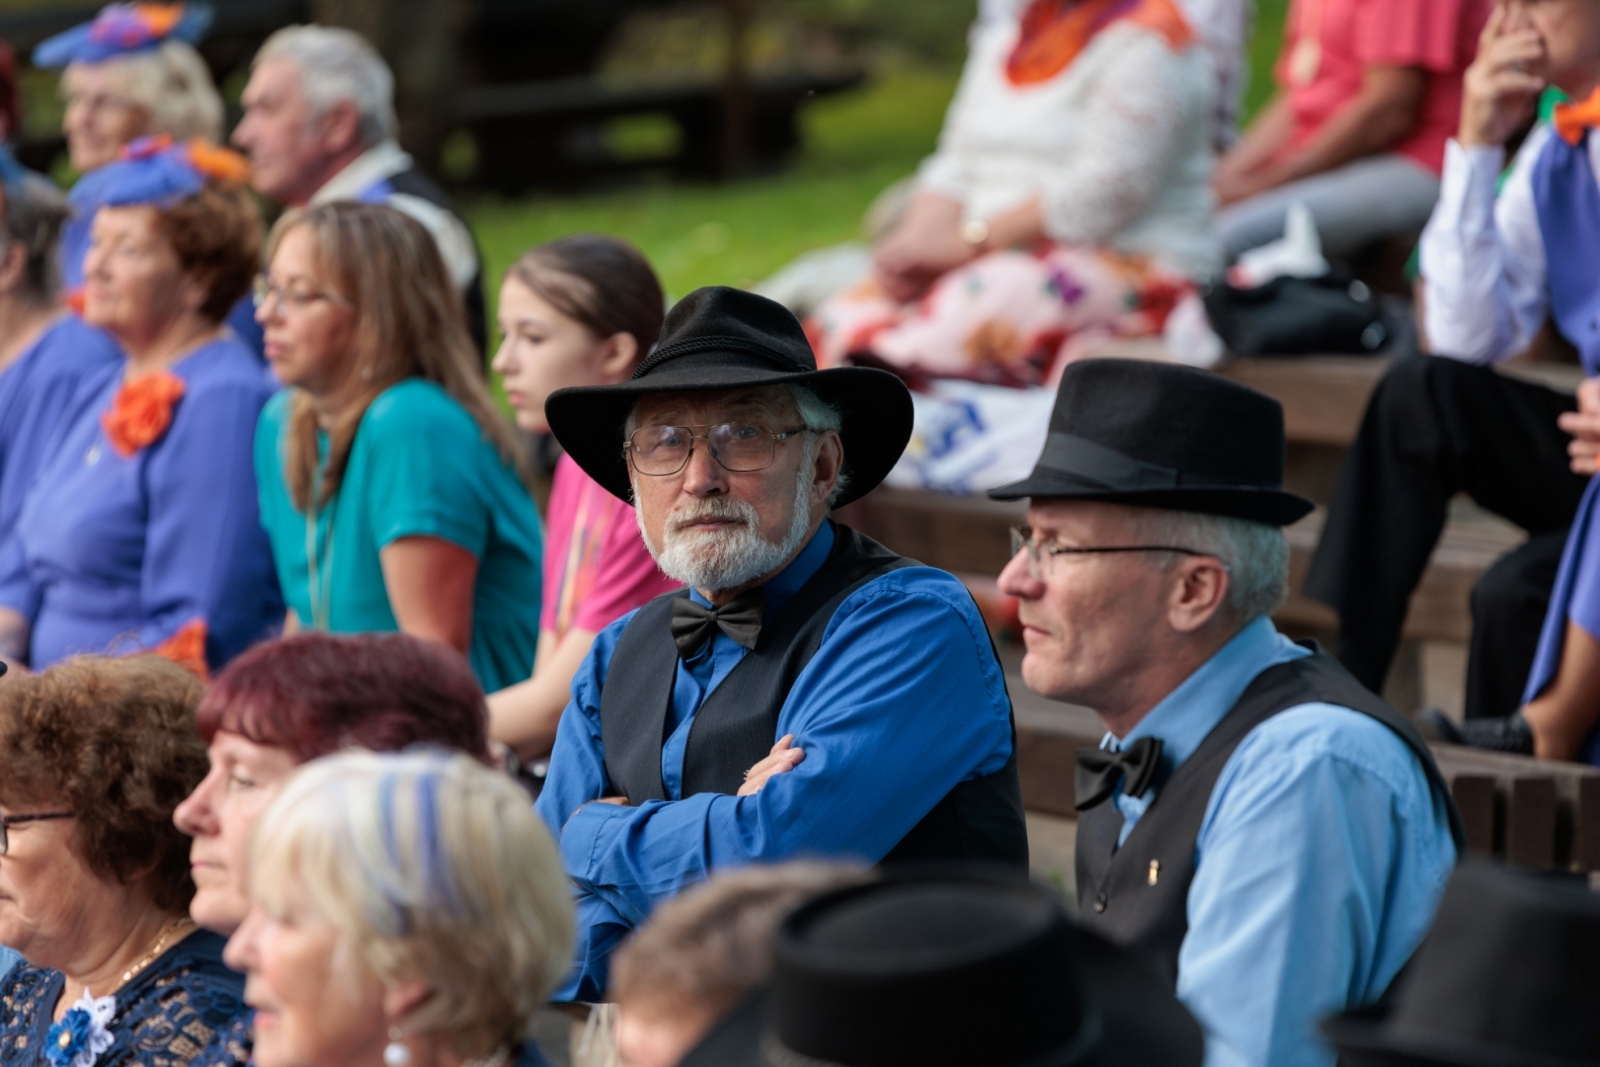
[
  {"x": 963, "y": 967},
  {"x": 719, "y": 338},
  {"x": 1509, "y": 976},
  {"x": 1163, "y": 436}
]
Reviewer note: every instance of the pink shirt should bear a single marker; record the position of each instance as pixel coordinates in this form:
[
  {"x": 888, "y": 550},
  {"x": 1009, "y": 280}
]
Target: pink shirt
[
  {"x": 596, "y": 567},
  {"x": 1439, "y": 36}
]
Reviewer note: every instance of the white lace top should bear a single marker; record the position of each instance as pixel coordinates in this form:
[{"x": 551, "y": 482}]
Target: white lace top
[{"x": 1117, "y": 146}]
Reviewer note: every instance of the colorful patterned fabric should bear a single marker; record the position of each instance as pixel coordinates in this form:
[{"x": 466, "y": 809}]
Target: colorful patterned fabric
[
  {"x": 157, "y": 170},
  {"x": 125, "y": 29},
  {"x": 1008, "y": 318},
  {"x": 1054, "y": 32}
]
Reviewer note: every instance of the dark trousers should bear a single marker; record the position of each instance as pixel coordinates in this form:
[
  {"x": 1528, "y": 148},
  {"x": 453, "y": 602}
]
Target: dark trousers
[{"x": 1435, "y": 427}]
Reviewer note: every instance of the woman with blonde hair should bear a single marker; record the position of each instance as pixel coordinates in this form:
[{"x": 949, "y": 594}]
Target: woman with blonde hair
[
  {"x": 132, "y": 72},
  {"x": 405, "y": 910},
  {"x": 390, "y": 485}
]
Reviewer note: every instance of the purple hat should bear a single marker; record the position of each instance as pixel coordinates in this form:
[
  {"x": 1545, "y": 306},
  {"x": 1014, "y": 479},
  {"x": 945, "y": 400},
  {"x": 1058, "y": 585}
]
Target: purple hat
[
  {"x": 157, "y": 171},
  {"x": 125, "y": 29}
]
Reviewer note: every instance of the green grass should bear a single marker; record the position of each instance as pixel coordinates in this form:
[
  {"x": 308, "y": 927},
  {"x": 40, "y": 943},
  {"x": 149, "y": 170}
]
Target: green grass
[{"x": 736, "y": 234}]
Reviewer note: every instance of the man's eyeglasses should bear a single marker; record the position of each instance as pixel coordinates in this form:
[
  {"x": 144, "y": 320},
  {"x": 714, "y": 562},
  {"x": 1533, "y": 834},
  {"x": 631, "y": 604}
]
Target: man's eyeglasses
[
  {"x": 263, "y": 291},
  {"x": 739, "y": 446},
  {"x": 1042, "y": 554},
  {"x": 8, "y": 821}
]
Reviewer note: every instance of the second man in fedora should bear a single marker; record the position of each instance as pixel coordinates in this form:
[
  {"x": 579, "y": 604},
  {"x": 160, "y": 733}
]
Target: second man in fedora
[
  {"x": 1270, "y": 836},
  {"x": 809, "y": 692}
]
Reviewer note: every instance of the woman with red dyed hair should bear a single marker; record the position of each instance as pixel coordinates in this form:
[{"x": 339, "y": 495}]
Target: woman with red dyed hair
[{"x": 285, "y": 703}]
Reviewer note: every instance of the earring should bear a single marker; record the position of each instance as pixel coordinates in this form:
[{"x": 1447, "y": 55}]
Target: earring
[{"x": 395, "y": 1053}]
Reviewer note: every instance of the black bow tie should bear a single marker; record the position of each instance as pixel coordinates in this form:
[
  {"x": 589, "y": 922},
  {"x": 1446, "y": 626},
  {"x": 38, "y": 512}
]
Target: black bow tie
[
  {"x": 1098, "y": 771},
  {"x": 693, "y": 624}
]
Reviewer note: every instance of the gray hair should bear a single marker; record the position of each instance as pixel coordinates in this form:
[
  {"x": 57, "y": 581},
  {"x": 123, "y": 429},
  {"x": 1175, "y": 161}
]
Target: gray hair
[
  {"x": 815, "y": 413},
  {"x": 173, "y": 84},
  {"x": 35, "y": 211},
  {"x": 337, "y": 65},
  {"x": 1256, "y": 554}
]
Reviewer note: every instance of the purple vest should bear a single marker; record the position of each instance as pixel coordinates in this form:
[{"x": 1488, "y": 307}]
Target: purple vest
[{"x": 1567, "y": 201}]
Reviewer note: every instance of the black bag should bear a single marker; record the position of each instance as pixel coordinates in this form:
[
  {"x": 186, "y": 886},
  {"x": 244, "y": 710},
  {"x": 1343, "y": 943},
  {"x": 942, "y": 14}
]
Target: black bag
[{"x": 1298, "y": 317}]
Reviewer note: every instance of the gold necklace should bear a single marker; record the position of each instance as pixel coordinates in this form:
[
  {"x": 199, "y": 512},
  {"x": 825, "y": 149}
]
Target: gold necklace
[{"x": 161, "y": 943}]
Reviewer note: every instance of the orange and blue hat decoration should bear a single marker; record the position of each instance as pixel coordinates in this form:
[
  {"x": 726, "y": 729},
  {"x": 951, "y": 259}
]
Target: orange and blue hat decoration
[
  {"x": 158, "y": 171},
  {"x": 125, "y": 29}
]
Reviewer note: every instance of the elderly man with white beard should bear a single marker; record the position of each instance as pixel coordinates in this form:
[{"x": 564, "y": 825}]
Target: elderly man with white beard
[{"x": 809, "y": 693}]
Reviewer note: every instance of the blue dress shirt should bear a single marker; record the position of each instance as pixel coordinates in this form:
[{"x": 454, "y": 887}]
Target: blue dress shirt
[
  {"x": 903, "y": 701},
  {"x": 1320, "y": 861}
]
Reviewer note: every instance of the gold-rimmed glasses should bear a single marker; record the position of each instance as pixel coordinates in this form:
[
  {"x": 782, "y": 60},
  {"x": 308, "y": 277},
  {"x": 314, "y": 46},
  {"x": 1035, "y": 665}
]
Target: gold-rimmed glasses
[{"x": 740, "y": 447}]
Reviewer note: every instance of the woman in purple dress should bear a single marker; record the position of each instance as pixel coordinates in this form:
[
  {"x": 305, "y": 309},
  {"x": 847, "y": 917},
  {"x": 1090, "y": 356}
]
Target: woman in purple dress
[
  {"x": 141, "y": 530},
  {"x": 45, "y": 351}
]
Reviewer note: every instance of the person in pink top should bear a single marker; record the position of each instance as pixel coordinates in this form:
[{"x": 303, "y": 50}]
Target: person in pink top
[
  {"x": 583, "y": 310},
  {"x": 1368, "y": 93}
]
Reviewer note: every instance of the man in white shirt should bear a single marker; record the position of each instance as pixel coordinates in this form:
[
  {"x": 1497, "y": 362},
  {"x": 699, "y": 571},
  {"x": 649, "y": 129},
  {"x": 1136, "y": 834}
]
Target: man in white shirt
[
  {"x": 1494, "y": 269},
  {"x": 319, "y": 125}
]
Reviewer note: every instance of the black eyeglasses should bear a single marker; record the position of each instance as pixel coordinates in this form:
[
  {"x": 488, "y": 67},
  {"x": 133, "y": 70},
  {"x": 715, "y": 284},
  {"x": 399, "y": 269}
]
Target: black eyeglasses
[
  {"x": 739, "y": 446},
  {"x": 8, "y": 821},
  {"x": 1023, "y": 539}
]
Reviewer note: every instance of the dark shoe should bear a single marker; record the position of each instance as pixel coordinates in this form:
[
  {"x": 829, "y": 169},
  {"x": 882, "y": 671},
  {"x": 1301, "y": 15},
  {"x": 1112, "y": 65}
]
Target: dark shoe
[{"x": 1510, "y": 734}]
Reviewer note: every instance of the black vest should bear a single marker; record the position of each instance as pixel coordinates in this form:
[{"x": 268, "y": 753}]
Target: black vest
[
  {"x": 1138, "y": 894},
  {"x": 737, "y": 723}
]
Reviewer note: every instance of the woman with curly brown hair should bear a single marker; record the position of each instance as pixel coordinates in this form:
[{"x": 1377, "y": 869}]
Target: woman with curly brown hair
[
  {"x": 94, "y": 877},
  {"x": 141, "y": 531}
]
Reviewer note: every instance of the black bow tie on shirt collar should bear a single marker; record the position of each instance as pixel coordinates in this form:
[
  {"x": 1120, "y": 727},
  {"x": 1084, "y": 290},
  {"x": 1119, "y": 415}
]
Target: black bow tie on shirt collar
[
  {"x": 1099, "y": 770},
  {"x": 693, "y": 624}
]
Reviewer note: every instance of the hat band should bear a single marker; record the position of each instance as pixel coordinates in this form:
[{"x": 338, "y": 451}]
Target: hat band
[{"x": 1086, "y": 460}]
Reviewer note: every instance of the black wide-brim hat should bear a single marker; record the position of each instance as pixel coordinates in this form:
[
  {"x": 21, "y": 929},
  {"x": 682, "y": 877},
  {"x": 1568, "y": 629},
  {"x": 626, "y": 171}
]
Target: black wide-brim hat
[
  {"x": 716, "y": 339},
  {"x": 951, "y": 967},
  {"x": 1161, "y": 435},
  {"x": 1509, "y": 976}
]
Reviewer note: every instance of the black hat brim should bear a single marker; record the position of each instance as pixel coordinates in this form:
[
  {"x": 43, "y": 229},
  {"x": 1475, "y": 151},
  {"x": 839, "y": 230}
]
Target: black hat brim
[
  {"x": 1274, "y": 507},
  {"x": 1140, "y": 1020},
  {"x": 875, "y": 405},
  {"x": 1365, "y": 1039}
]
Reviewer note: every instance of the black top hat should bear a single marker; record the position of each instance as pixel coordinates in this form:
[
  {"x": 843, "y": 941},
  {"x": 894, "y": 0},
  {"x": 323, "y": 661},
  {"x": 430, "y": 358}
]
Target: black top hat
[
  {"x": 964, "y": 968},
  {"x": 719, "y": 338},
  {"x": 1509, "y": 976},
  {"x": 1163, "y": 436}
]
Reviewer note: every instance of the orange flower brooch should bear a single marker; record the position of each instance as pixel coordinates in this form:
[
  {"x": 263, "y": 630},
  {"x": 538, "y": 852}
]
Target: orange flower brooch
[{"x": 141, "y": 412}]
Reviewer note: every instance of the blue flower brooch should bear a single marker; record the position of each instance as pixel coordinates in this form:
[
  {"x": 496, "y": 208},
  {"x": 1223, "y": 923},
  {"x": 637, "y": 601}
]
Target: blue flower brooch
[{"x": 82, "y": 1034}]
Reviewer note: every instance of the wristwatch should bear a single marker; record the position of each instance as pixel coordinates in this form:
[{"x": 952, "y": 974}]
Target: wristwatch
[{"x": 976, "y": 233}]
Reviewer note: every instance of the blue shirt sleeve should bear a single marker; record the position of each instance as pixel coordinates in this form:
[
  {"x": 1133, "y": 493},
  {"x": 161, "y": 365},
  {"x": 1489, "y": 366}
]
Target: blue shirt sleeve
[
  {"x": 1321, "y": 842},
  {"x": 424, "y": 451},
  {"x": 206, "y": 555},
  {"x": 903, "y": 701}
]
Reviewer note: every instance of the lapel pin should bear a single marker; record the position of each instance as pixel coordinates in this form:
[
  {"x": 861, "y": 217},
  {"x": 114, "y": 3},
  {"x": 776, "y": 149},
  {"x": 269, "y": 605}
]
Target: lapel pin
[{"x": 1155, "y": 871}]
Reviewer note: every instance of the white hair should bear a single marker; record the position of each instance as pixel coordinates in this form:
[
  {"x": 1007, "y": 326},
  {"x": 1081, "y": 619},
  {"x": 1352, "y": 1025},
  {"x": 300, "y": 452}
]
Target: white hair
[
  {"x": 430, "y": 867},
  {"x": 1256, "y": 554},
  {"x": 173, "y": 85},
  {"x": 338, "y": 65}
]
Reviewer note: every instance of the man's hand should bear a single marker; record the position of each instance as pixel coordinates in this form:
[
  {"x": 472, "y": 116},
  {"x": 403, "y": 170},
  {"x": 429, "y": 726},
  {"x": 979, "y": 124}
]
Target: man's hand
[
  {"x": 781, "y": 759},
  {"x": 1584, "y": 426},
  {"x": 1500, "y": 89}
]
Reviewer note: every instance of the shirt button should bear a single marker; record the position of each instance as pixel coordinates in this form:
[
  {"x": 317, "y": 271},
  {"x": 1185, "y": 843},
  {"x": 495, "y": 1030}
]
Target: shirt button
[{"x": 1100, "y": 903}]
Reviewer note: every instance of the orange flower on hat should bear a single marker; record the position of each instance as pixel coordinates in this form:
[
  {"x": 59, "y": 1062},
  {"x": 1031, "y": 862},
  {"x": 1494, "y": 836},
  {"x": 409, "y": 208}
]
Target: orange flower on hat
[
  {"x": 187, "y": 648},
  {"x": 141, "y": 412}
]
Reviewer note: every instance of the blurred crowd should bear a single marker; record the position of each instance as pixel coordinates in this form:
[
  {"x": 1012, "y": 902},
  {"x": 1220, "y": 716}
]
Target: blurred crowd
[{"x": 322, "y": 743}]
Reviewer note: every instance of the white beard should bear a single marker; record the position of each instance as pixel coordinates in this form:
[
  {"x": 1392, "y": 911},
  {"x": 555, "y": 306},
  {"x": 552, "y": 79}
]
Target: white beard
[{"x": 733, "y": 555}]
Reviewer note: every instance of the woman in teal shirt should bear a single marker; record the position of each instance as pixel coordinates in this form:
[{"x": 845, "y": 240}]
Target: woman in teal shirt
[{"x": 391, "y": 489}]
